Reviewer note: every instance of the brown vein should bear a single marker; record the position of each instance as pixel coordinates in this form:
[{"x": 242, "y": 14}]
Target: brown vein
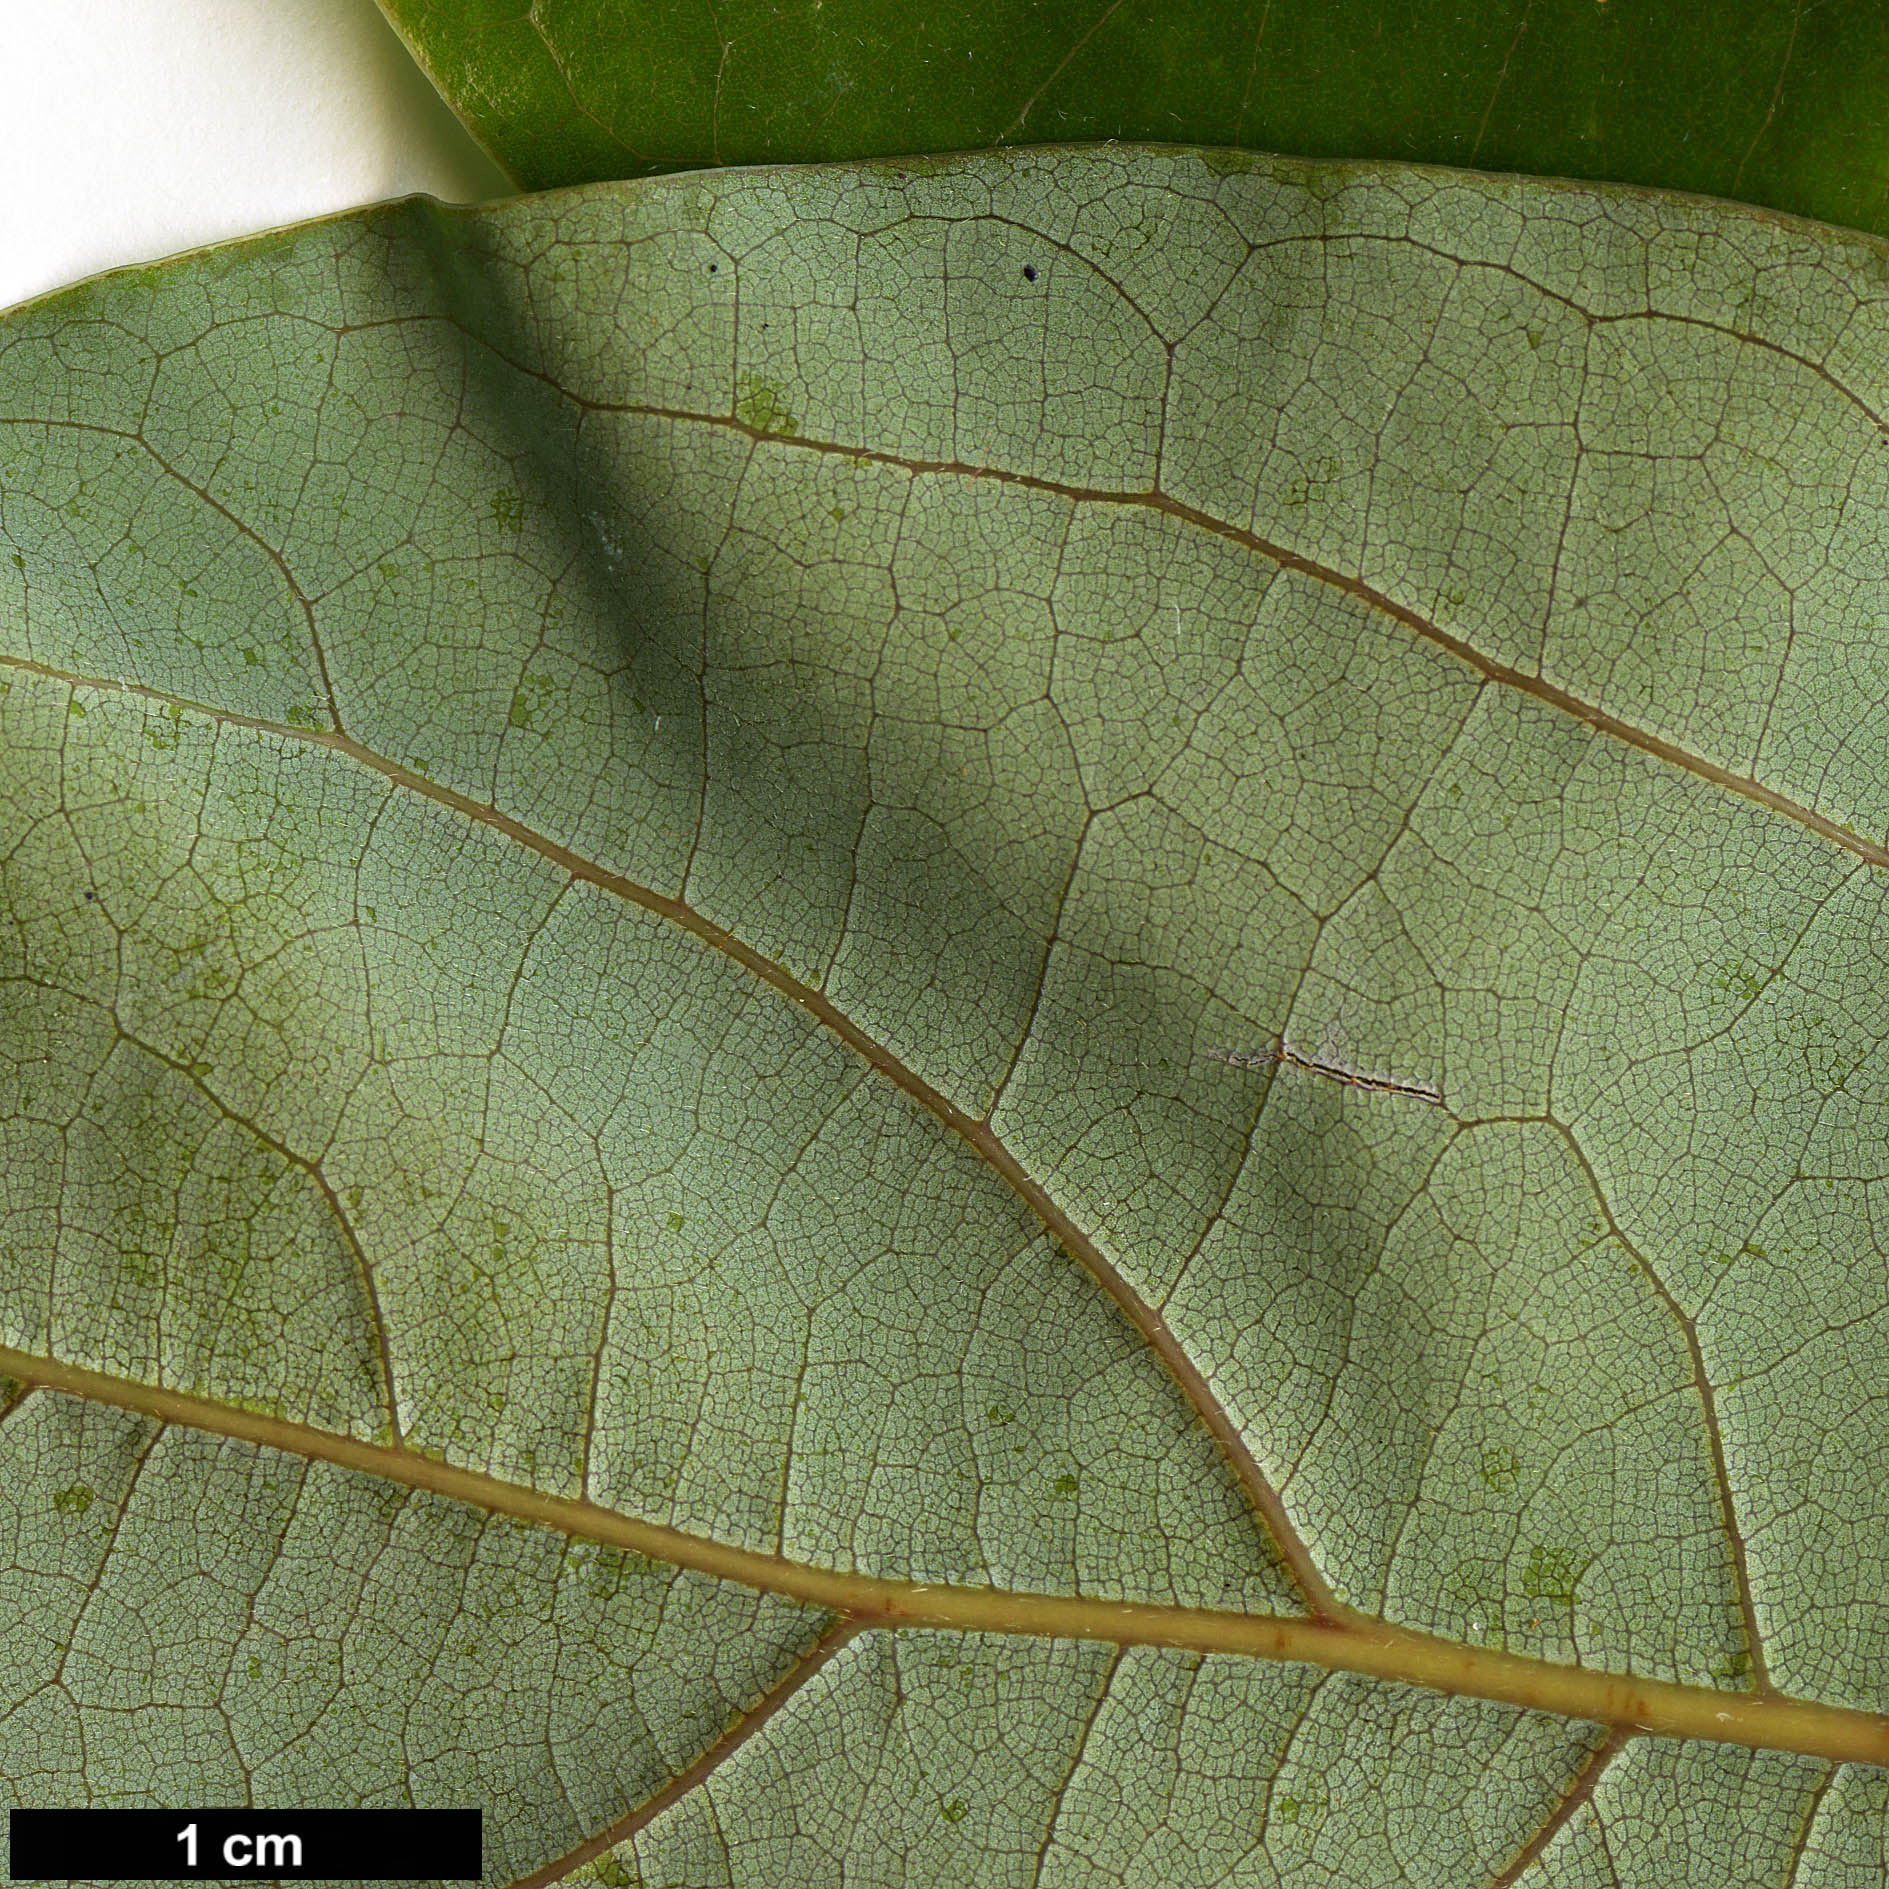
[
  {"x": 975, "y": 1132},
  {"x": 1800, "y": 1844},
  {"x": 1708, "y": 1402},
  {"x": 1354, "y": 1644},
  {"x": 698, "y": 1773},
  {"x": 1537, "y": 688},
  {"x": 311, "y": 1170},
  {"x": 1573, "y": 1800}
]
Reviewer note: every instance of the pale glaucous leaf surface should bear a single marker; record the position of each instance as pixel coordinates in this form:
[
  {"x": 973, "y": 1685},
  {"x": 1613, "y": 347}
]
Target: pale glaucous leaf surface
[{"x": 1076, "y": 616}]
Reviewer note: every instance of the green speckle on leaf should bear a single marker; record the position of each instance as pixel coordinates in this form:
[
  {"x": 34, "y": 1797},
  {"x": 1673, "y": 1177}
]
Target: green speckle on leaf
[
  {"x": 761, "y": 406},
  {"x": 1501, "y": 1467},
  {"x": 74, "y": 1500},
  {"x": 1551, "y": 1574},
  {"x": 529, "y": 697}
]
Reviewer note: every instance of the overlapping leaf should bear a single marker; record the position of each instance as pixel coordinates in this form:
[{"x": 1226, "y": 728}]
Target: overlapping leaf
[{"x": 1768, "y": 101}]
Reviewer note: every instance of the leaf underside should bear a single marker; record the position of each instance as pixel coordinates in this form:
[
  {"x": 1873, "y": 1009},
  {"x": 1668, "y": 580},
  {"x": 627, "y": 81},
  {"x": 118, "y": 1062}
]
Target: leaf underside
[{"x": 1130, "y": 876}]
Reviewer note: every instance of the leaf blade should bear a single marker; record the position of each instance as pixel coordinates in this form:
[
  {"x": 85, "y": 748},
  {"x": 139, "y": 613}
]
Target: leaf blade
[{"x": 1349, "y": 1024}]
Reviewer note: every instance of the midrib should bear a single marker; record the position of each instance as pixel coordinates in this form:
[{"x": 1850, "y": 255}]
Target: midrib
[{"x": 1770, "y": 1722}]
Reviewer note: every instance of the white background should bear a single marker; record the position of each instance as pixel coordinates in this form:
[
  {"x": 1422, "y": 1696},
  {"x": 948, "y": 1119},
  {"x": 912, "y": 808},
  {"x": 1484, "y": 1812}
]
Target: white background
[{"x": 133, "y": 128}]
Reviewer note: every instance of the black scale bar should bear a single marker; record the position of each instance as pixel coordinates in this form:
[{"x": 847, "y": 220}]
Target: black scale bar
[{"x": 242, "y": 1845}]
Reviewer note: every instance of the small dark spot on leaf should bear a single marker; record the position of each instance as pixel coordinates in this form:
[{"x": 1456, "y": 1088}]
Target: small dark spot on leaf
[
  {"x": 1029, "y": 273},
  {"x": 91, "y": 895},
  {"x": 714, "y": 268}
]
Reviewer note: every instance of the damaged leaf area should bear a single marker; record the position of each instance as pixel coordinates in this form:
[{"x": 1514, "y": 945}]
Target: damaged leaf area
[{"x": 999, "y": 1021}]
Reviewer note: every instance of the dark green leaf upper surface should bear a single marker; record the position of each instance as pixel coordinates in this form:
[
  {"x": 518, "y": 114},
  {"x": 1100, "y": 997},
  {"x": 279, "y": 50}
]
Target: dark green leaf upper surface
[{"x": 1769, "y": 101}]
